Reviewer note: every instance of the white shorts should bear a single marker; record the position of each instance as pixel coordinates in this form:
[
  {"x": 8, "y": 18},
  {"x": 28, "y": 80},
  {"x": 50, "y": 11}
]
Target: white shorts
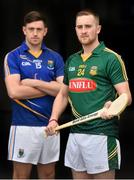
[
  {"x": 29, "y": 145},
  {"x": 92, "y": 153}
]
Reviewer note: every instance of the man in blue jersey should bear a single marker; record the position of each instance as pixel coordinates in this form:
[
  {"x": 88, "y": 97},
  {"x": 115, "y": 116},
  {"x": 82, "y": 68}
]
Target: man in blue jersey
[{"x": 33, "y": 77}]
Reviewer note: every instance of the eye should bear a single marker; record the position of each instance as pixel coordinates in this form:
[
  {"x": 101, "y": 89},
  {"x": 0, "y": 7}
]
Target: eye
[
  {"x": 39, "y": 29},
  {"x": 31, "y": 29},
  {"x": 79, "y": 26},
  {"x": 87, "y": 26}
]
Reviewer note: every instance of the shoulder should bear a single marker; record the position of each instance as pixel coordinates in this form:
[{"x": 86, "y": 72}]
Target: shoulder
[
  {"x": 113, "y": 60},
  {"x": 53, "y": 53},
  {"x": 12, "y": 56},
  {"x": 111, "y": 54},
  {"x": 73, "y": 56},
  {"x": 13, "y": 52}
]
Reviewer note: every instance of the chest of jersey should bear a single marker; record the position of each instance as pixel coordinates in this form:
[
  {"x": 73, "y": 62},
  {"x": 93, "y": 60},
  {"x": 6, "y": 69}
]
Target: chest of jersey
[
  {"x": 41, "y": 68},
  {"x": 86, "y": 76}
]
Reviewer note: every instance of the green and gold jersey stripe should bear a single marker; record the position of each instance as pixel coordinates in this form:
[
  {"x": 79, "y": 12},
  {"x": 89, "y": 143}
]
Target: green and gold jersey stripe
[
  {"x": 112, "y": 153},
  {"x": 75, "y": 113},
  {"x": 121, "y": 62}
]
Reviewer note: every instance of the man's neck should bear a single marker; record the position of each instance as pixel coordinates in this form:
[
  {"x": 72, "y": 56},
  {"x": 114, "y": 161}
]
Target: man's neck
[
  {"x": 87, "y": 49},
  {"x": 34, "y": 48}
]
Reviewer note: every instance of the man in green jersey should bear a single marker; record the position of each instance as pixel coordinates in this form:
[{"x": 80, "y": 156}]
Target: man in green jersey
[{"x": 93, "y": 77}]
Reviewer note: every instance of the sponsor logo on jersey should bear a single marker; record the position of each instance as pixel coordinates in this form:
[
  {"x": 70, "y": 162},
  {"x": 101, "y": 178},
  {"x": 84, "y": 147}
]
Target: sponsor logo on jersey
[
  {"x": 93, "y": 70},
  {"x": 82, "y": 85},
  {"x": 20, "y": 153},
  {"x": 82, "y": 66},
  {"x": 23, "y": 56},
  {"x": 37, "y": 60},
  {"x": 26, "y": 63},
  {"x": 50, "y": 64},
  {"x": 71, "y": 69}
]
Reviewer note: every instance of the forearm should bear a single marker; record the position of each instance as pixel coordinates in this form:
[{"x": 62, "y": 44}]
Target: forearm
[
  {"x": 124, "y": 88},
  {"x": 51, "y": 88},
  {"x": 25, "y": 92},
  {"x": 59, "y": 106},
  {"x": 17, "y": 90}
]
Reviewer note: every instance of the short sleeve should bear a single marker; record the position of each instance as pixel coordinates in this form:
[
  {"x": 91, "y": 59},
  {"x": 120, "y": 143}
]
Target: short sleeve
[
  {"x": 11, "y": 65},
  {"x": 65, "y": 80},
  {"x": 116, "y": 70},
  {"x": 59, "y": 70}
]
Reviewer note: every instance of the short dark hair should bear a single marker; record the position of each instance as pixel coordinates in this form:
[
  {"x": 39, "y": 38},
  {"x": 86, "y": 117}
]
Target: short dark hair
[
  {"x": 87, "y": 12},
  {"x": 34, "y": 16}
]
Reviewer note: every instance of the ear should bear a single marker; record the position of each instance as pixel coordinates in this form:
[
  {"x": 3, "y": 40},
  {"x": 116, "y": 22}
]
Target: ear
[
  {"x": 76, "y": 31},
  {"x": 24, "y": 30},
  {"x": 98, "y": 29},
  {"x": 45, "y": 31}
]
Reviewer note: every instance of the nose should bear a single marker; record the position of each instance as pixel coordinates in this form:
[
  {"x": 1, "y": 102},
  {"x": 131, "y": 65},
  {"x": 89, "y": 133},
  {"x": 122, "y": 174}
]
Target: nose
[
  {"x": 83, "y": 29},
  {"x": 35, "y": 32}
]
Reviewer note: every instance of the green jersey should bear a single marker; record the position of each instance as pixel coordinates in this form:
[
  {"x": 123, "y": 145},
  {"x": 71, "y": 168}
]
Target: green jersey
[{"x": 91, "y": 84}]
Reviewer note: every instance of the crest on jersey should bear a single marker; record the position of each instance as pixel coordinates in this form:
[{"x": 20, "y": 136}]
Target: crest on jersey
[
  {"x": 50, "y": 64},
  {"x": 20, "y": 153},
  {"x": 93, "y": 70}
]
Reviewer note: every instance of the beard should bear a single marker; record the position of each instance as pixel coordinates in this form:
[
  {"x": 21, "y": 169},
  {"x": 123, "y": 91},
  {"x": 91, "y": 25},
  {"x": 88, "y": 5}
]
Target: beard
[{"x": 87, "y": 41}]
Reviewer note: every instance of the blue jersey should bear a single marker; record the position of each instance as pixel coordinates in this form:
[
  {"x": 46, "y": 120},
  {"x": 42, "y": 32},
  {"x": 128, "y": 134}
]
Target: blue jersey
[{"x": 48, "y": 66}]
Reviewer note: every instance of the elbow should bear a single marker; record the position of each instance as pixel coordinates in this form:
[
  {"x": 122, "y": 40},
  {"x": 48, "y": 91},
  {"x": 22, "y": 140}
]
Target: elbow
[
  {"x": 129, "y": 99},
  {"x": 13, "y": 94},
  {"x": 55, "y": 93}
]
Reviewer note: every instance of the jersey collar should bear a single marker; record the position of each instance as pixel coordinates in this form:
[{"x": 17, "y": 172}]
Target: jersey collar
[
  {"x": 24, "y": 46},
  {"x": 97, "y": 50}
]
